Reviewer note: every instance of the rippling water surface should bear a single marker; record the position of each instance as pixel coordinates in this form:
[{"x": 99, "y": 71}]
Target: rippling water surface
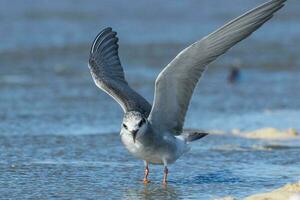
[{"x": 59, "y": 133}]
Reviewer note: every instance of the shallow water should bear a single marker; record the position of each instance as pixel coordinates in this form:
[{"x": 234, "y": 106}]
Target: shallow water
[
  {"x": 59, "y": 134},
  {"x": 97, "y": 166}
]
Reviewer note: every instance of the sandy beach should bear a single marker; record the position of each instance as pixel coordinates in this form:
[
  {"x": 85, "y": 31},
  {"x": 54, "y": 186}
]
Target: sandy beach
[
  {"x": 290, "y": 191},
  {"x": 269, "y": 134},
  {"x": 287, "y": 192}
]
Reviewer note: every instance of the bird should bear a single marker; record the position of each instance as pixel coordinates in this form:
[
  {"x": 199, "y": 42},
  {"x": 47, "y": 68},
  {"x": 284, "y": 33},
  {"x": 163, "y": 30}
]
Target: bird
[{"x": 154, "y": 133}]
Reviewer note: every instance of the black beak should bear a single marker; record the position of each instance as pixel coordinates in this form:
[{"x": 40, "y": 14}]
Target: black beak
[{"x": 134, "y": 132}]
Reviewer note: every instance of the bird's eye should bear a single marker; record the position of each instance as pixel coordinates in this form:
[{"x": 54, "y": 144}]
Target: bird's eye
[
  {"x": 124, "y": 125},
  {"x": 142, "y": 122}
]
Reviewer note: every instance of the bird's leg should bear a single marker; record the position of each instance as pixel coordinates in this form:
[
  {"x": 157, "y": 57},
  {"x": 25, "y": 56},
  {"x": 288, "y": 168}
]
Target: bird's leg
[
  {"x": 166, "y": 171},
  {"x": 146, "y": 173}
]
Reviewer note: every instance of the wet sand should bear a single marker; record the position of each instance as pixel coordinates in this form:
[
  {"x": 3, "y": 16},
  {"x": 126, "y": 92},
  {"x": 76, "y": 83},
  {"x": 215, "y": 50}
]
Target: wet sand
[
  {"x": 269, "y": 134},
  {"x": 290, "y": 191},
  {"x": 287, "y": 192}
]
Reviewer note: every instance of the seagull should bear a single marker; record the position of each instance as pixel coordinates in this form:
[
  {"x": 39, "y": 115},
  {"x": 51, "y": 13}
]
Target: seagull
[{"x": 155, "y": 133}]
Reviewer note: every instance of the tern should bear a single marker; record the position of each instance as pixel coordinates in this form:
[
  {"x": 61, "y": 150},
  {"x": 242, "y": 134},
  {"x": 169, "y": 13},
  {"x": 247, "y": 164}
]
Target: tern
[{"x": 155, "y": 133}]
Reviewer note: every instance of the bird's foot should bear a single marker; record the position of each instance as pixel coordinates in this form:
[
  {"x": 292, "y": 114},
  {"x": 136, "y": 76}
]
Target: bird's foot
[
  {"x": 146, "y": 181},
  {"x": 165, "y": 183}
]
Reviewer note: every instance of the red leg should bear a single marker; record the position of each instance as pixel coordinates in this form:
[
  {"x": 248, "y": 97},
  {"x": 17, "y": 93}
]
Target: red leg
[
  {"x": 146, "y": 173},
  {"x": 166, "y": 171}
]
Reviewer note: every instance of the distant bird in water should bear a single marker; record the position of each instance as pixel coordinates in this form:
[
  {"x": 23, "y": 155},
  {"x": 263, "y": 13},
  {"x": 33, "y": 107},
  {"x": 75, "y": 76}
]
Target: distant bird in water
[
  {"x": 155, "y": 133},
  {"x": 234, "y": 73}
]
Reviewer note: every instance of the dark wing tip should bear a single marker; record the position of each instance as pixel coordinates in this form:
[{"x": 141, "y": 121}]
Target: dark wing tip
[
  {"x": 192, "y": 136},
  {"x": 100, "y": 38}
]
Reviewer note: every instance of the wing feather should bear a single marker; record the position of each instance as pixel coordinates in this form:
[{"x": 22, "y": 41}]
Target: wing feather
[
  {"x": 108, "y": 74},
  {"x": 174, "y": 86}
]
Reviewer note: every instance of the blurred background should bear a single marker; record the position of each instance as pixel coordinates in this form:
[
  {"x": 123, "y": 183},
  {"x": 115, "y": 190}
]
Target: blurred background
[
  {"x": 52, "y": 115},
  {"x": 46, "y": 85}
]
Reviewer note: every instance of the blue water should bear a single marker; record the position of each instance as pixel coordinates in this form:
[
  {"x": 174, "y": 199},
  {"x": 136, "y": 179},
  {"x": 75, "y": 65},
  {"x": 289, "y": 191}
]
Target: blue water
[{"x": 59, "y": 133}]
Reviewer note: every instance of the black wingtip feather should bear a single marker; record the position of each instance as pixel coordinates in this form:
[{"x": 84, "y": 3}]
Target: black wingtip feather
[
  {"x": 195, "y": 136},
  {"x": 100, "y": 35}
]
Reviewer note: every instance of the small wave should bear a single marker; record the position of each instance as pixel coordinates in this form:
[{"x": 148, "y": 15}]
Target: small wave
[
  {"x": 230, "y": 147},
  {"x": 226, "y": 198},
  {"x": 280, "y": 147},
  {"x": 80, "y": 163},
  {"x": 267, "y": 147},
  {"x": 15, "y": 79}
]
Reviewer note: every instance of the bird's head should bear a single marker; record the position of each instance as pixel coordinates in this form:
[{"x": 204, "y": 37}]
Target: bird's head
[{"x": 134, "y": 123}]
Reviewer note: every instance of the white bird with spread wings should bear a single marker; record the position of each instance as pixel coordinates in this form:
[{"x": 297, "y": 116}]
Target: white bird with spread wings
[{"x": 155, "y": 133}]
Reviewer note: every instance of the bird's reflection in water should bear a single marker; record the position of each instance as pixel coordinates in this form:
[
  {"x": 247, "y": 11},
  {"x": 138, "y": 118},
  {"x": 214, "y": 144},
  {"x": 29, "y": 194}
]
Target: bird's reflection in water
[{"x": 152, "y": 191}]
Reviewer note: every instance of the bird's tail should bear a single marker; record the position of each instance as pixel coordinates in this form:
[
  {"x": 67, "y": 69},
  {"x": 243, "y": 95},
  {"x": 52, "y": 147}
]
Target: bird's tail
[{"x": 190, "y": 135}]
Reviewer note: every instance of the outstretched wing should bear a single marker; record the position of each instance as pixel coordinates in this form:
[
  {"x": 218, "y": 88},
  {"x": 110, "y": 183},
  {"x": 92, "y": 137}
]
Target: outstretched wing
[
  {"x": 108, "y": 74},
  {"x": 175, "y": 84}
]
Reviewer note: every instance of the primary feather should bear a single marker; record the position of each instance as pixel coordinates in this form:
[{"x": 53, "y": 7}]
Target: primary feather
[{"x": 108, "y": 74}]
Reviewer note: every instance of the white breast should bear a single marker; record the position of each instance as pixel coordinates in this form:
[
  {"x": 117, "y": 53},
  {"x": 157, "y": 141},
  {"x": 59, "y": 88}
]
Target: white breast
[
  {"x": 154, "y": 156},
  {"x": 137, "y": 149}
]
